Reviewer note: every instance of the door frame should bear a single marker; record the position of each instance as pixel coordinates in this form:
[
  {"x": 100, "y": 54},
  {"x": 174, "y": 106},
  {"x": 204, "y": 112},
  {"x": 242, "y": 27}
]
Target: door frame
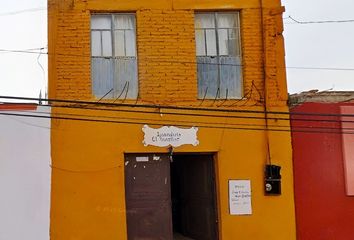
[
  {"x": 217, "y": 207},
  {"x": 215, "y": 157}
]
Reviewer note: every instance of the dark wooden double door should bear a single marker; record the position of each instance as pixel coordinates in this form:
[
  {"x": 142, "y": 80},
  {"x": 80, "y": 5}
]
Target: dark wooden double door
[{"x": 163, "y": 197}]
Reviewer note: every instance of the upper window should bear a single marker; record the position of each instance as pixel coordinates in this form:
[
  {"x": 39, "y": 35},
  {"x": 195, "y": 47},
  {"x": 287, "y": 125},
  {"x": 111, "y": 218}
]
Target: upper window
[
  {"x": 113, "y": 56},
  {"x": 218, "y": 48}
]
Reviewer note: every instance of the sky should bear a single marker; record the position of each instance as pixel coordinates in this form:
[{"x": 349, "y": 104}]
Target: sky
[
  {"x": 20, "y": 74},
  {"x": 327, "y": 45}
]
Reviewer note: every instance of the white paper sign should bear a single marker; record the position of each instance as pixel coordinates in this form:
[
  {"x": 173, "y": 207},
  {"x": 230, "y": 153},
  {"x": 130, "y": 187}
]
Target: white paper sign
[
  {"x": 142, "y": 159},
  {"x": 169, "y": 136},
  {"x": 240, "y": 197}
]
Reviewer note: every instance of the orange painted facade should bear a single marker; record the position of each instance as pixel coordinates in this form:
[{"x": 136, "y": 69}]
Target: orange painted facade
[{"x": 88, "y": 196}]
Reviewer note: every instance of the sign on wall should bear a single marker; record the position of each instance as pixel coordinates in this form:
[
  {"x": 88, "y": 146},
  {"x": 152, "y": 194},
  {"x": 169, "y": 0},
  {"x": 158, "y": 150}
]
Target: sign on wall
[
  {"x": 240, "y": 197},
  {"x": 169, "y": 136}
]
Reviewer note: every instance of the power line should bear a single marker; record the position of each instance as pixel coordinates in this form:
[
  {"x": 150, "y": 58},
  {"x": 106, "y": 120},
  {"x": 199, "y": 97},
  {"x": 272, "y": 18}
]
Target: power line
[
  {"x": 30, "y": 51},
  {"x": 205, "y": 115},
  {"x": 29, "y": 124},
  {"x": 23, "y": 11},
  {"x": 171, "y": 107},
  {"x": 205, "y": 124},
  {"x": 187, "y": 122},
  {"x": 110, "y": 121},
  {"x": 318, "y": 22},
  {"x": 178, "y": 125},
  {"x": 146, "y": 119},
  {"x": 322, "y": 68}
]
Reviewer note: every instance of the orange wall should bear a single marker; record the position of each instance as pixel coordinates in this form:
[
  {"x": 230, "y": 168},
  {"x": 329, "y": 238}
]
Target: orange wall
[
  {"x": 88, "y": 199},
  {"x": 88, "y": 174},
  {"x": 69, "y": 48}
]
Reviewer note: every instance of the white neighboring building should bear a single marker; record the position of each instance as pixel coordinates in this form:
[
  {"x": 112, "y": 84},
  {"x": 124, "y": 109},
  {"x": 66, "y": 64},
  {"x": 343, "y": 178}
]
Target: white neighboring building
[{"x": 25, "y": 173}]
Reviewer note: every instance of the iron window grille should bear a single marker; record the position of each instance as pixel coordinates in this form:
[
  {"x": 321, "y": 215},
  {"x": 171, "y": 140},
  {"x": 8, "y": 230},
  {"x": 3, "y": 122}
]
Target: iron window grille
[
  {"x": 113, "y": 56},
  {"x": 218, "y": 50}
]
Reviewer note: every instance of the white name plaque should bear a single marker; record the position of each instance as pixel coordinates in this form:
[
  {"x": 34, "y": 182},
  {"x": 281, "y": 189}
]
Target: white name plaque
[
  {"x": 240, "y": 197},
  {"x": 170, "y": 136}
]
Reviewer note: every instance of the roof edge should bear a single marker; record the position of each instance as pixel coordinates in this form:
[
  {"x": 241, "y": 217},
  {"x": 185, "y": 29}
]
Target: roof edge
[
  {"x": 18, "y": 106},
  {"x": 316, "y": 96}
]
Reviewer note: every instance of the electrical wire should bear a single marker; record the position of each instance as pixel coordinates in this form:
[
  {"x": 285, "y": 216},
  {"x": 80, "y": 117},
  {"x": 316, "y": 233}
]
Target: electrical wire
[
  {"x": 29, "y": 124},
  {"x": 27, "y": 50},
  {"x": 205, "y": 115},
  {"x": 183, "y": 121},
  {"x": 29, "y": 10},
  {"x": 318, "y": 22},
  {"x": 322, "y": 68},
  {"x": 148, "y": 121},
  {"x": 199, "y": 115},
  {"x": 171, "y": 107},
  {"x": 294, "y": 129},
  {"x": 309, "y": 120}
]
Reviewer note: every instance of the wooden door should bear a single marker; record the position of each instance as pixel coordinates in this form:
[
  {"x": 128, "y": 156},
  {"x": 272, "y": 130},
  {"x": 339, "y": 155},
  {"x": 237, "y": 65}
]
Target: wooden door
[
  {"x": 199, "y": 218},
  {"x": 148, "y": 197}
]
